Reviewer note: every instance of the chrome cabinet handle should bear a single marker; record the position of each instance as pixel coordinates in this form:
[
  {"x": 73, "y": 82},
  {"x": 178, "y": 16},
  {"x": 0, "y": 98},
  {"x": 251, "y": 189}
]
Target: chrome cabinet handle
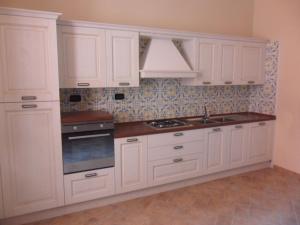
[
  {"x": 178, "y": 134},
  {"x": 88, "y": 136},
  {"x": 228, "y": 82},
  {"x": 216, "y": 129},
  {"x": 89, "y": 175},
  {"x": 83, "y": 84},
  {"x": 124, "y": 84},
  {"x": 31, "y": 106},
  {"x": 238, "y": 126},
  {"x": 262, "y": 124},
  {"x": 28, "y": 98},
  {"x": 178, "y": 147},
  {"x": 251, "y": 82},
  {"x": 206, "y": 82},
  {"x": 132, "y": 140},
  {"x": 178, "y": 160}
]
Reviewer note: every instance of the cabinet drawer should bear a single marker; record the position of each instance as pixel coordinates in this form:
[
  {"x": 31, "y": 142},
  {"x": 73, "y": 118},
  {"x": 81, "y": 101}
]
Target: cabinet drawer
[
  {"x": 168, "y": 151},
  {"x": 174, "y": 138},
  {"x": 175, "y": 169},
  {"x": 89, "y": 185}
]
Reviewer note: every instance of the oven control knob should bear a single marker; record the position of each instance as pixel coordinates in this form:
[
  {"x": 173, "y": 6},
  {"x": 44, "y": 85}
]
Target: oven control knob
[
  {"x": 101, "y": 125},
  {"x": 75, "y": 128}
]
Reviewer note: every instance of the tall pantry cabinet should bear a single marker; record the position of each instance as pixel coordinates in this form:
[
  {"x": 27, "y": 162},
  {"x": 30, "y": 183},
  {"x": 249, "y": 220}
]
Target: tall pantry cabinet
[{"x": 30, "y": 153}]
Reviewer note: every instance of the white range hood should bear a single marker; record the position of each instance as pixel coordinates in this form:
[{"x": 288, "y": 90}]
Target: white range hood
[{"x": 162, "y": 59}]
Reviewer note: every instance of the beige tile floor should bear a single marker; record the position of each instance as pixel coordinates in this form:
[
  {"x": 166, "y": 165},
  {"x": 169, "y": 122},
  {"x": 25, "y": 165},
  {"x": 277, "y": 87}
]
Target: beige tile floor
[{"x": 265, "y": 197}]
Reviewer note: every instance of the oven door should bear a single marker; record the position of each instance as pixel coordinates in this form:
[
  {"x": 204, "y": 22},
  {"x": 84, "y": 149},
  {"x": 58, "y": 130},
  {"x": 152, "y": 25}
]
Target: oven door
[{"x": 84, "y": 151}]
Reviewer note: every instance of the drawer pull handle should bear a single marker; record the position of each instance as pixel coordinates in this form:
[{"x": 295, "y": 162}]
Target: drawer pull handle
[
  {"x": 217, "y": 129},
  {"x": 178, "y": 160},
  {"x": 228, "y": 82},
  {"x": 132, "y": 140},
  {"x": 91, "y": 175},
  {"x": 29, "y": 106},
  {"x": 178, "y": 134},
  {"x": 251, "y": 82},
  {"x": 83, "y": 84},
  {"x": 262, "y": 124},
  {"x": 28, "y": 98},
  {"x": 206, "y": 82},
  {"x": 178, "y": 147},
  {"x": 238, "y": 126},
  {"x": 124, "y": 84}
]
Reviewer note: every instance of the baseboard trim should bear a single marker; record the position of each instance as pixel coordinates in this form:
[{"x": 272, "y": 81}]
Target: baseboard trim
[{"x": 47, "y": 214}]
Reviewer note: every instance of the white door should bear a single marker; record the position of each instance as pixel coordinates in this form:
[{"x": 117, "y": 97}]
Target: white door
[
  {"x": 131, "y": 162},
  {"x": 217, "y": 150},
  {"x": 123, "y": 58},
  {"x": 260, "y": 142},
  {"x": 251, "y": 63},
  {"x": 31, "y": 157},
  {"x": 237, "y": 144},
  {"x": 228, "y": 66},
  {"x": 207, "y": 61},
  {"x": 82, "y": 57},
  {"x": 1, "y": 198},
  {"x": 28, "y": 59}
]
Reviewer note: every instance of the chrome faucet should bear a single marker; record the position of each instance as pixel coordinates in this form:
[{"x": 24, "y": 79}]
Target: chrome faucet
[{"x": 206, "y": 113}]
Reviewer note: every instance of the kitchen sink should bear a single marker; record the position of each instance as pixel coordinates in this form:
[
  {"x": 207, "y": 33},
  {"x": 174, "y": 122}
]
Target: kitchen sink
[{"x": 212, "y": 120}]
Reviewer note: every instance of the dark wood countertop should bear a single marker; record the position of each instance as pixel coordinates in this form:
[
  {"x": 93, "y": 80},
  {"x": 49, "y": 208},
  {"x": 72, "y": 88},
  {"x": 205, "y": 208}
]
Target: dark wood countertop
[{"x": 130, "y": 129}]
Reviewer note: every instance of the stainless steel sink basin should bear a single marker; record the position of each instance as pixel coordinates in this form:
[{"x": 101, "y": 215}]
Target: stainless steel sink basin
[{"x": 211, "y": 120}]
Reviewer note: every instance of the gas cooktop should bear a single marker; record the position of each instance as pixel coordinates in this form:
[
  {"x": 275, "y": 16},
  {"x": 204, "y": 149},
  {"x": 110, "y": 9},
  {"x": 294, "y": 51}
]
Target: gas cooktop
[{"x": 160, "y": 124}]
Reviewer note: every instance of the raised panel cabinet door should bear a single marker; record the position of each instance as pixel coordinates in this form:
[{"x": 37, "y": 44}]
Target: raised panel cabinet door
[
  {"x": 252, "y": 58},
  {"x": 1, "y": 197},
  {"x": 82, "y": 57},
  {"x": 123, "y": 58},
  {"x": 28, "y": 59},
  {"x": 228, "y": 66},
  {"x": 31, "y": 157},
  {"x": 131, "y": 162},
  {"x": 217, "y": 150},
  {"x": 260, "y": 142},
  {"x": 237, "y": 144}
]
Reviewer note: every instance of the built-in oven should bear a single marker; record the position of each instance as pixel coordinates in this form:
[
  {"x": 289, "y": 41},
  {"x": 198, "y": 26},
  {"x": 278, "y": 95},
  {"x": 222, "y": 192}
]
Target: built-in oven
[{"x": 87, "y": 146}]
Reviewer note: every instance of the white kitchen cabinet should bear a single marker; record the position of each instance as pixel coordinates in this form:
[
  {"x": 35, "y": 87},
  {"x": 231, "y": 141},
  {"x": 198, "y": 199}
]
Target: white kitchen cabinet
[
  {"x": 28, "y": 56},
  {"x": 131, "y": 163},
  {"x": 260, "y": 142},
  {"x": 175, "y": 169},
  {"x": 80, "y": 187},
  {"x": 237, "y": 144},
  {"x": 251, "y": 63},
  {"x": 217, "y": 150},
  {"x": 123, "y": 58},
  {"x": 82, "y": 57},
  {"x": 31, "y": 157},
  {"x": 1, "y": 197}
]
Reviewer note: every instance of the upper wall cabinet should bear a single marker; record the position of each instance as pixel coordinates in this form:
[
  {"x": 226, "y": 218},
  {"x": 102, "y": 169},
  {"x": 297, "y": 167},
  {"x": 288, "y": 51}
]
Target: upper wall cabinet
[
  {"x": 123, "y": 58},
  {"x": 82, "y": 57},
  {"x": 28, "y": 57}
]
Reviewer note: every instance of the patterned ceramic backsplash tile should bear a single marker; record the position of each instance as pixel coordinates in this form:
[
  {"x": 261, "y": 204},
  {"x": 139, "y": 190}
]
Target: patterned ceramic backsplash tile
[{"x": 166, "y": 98}]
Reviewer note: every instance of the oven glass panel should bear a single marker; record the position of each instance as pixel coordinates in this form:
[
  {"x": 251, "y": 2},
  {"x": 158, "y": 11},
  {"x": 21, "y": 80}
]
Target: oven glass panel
[{"x": 85, "y": 151}]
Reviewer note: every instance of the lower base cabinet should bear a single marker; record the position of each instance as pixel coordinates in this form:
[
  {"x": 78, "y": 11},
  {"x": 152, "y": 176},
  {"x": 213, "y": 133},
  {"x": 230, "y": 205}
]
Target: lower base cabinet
[
  {"x": 80, "y": 187},
  {"x": 131, "y": 163},
  {"x": 1, "y": 198},
  {"x": 175, "y": 169}
]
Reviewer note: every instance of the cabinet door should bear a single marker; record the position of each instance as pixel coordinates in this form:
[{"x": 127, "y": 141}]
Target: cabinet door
[
  {"x": 237, "y": 144},
  {"x": 31, "y": 157},
  {"x": 80, "y": 187},
  {"x": 28, "y": 59},
  {"x": 217, "y": 156},
  {"x": 260, "y": 142},
  {"x": 123, "y": 58},
  {"x": 82, "y": 57},
  {"x": 228, "y": 63},
  {"x": 251, "y": 63},
  {"x": 1, "y": 197},
  {"x": 131, "y": 161}
]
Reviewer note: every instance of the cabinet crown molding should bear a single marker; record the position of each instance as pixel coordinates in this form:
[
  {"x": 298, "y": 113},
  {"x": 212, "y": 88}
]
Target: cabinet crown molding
[{"x": 29, "y": 13}]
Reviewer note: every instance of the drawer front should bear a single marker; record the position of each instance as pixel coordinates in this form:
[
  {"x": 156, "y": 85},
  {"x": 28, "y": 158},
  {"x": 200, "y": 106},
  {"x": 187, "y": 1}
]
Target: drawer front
[
  {"x": 168, "y": 151},
  {"x": 80, "y": 187},
  {"x": 174, "y": 138},
  {"x": 176, "y": 169}
]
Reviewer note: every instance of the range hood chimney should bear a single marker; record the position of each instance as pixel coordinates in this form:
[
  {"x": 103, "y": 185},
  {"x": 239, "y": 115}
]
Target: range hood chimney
[{"x": 163, "y": 59}]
